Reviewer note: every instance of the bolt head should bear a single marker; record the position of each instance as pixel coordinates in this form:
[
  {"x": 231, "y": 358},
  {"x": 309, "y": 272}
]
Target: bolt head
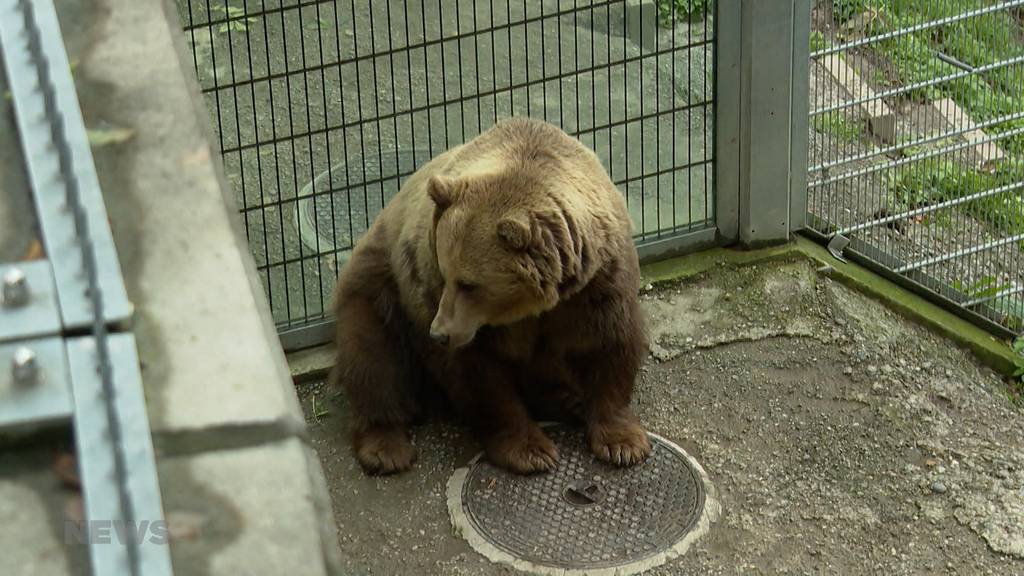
[
  {"x": 15, "y": 288},
  {"x": 24, "y": 367}
]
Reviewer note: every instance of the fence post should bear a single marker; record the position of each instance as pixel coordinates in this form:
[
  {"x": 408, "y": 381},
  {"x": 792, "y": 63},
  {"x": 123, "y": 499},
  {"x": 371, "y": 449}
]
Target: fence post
[
  {"x": 800, "y": 114},
  {"x": 728, "y": 40},
  {"x": 773, "y": 100}
]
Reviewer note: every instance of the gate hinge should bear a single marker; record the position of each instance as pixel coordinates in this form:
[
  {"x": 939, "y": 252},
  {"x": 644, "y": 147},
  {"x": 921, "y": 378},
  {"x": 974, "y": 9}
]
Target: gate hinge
[{"x": 837, "y": 244}]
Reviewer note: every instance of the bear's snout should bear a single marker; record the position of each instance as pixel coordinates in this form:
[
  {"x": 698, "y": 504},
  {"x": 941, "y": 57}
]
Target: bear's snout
[
  {"x": 443, "y": 335},
  {"x": 439, "y": 339}
]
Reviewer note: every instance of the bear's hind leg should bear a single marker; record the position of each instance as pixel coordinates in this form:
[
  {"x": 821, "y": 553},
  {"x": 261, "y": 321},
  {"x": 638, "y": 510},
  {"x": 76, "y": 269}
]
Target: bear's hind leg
[{"x": 370, "y": 368}]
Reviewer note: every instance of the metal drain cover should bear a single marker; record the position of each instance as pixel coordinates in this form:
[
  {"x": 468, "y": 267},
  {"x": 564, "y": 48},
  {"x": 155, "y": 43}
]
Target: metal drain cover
[
  {"x": 338, "y": 206},
  {"x": 585, "y": 517}
]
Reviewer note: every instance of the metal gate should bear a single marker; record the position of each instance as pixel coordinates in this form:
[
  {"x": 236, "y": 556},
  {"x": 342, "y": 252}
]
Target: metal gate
[
  {"x": 917, "y": 146},
  {"x": 323, "y": 107}
]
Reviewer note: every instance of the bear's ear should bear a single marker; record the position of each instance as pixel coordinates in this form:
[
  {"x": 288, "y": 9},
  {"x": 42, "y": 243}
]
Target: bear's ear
[
  {"x": 442, "y": 191},
  {"x": 514, "y": 231}
]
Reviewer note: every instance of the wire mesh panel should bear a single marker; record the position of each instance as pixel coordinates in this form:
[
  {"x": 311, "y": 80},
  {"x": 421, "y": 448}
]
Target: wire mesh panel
[
  {"x": 917, "y": 143},
  {"x": 323, "y": 108}
]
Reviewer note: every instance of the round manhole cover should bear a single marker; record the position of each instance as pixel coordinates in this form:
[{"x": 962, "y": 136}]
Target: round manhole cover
[
  {"x": 585, "y": 517},
  {"x": 338, "y": 206}
]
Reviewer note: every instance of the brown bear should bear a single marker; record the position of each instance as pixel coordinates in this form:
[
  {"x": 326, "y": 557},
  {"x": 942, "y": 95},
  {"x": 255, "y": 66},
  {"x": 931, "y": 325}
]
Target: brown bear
[{"x": 504, "y": 274}]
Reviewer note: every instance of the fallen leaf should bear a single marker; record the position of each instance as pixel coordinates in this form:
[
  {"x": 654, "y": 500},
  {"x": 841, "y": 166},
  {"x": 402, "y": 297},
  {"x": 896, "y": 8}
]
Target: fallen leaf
[
  {"x": 107, "y": 136},
  {"x": 66, "y": 468},
  {"x": 74, "y": 509},
  {"x": 35, "y": 251},
  {"x": 184, "y": 525}
]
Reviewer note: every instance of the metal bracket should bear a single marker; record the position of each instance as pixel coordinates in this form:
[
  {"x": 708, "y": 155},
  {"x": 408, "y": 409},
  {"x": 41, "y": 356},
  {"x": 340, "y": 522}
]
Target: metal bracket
[
  {"x": 37, "y": 92},
  {"x": 837, "y": 244},
  {"x": 28, "y": 301},
  {"x": 34, "y": 389}
]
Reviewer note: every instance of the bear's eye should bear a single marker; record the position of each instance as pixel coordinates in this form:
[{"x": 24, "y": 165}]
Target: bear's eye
[{"x": 466, "y": 287}]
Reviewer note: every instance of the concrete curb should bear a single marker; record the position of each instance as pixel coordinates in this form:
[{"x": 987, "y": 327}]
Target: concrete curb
[
  {"x": 995, "y": 353},
  {"x": 992, "y": 351},
  {"x": 231, "y": 439}
]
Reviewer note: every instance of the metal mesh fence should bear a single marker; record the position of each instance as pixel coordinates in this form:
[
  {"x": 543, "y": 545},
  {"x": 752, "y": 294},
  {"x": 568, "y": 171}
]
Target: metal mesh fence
[
  {"x": 917, "y": 143},
  {"x": 323, "y": 107}
]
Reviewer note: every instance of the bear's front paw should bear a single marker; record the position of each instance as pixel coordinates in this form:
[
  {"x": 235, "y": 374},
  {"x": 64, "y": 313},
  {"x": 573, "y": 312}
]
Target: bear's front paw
[
  {"x": 523, "y": 453},
  {"x": 384, "y": 450},
  {"x": 622, "y": 444}
]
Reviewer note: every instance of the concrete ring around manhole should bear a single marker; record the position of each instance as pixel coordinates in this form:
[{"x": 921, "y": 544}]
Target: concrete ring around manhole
[
  {"x": 586, "y": 516},
  {"x": 336, "y": 207}
]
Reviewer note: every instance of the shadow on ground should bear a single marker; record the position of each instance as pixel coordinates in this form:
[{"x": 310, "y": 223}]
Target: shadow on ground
[{"x": 841, "y": 439}]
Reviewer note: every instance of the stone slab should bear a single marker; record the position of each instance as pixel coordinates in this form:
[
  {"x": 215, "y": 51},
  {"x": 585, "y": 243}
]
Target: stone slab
[
  {"x": 254, "y": 511},
  {"x": 985, "y": 152},
  {"x": 35, "y": 505},
  {"x": 311, "y": 363},
  {"x": 881, "y": 118}
]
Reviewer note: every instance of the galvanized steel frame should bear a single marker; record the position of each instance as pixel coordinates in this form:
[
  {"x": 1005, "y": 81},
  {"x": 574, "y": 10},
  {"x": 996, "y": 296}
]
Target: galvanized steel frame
[
  {"x": 56, "y": 375},
  {"x": 935, "y": 271},
  {"x": 761, "y": 79},
  {"x": 232, "y": 81},
  {"x": 768, "y": 194}
]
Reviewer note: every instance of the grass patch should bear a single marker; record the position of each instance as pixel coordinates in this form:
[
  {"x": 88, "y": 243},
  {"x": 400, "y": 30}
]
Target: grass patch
[
  {"x": 670, "y": 11},
  {"x": 987, "y": 286},
  {"x": 843, "y": 10},
  {"x": 839, "y": 126},
  {"x": 818, "y": 41},
  {"x": 933, "y": 181},
  {"x": 977, "y": 41}
]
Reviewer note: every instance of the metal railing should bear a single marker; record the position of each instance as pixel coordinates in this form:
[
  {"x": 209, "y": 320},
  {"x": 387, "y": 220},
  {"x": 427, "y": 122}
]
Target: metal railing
[
  {"x": 70, "y": 361},
  {"x": 323, "y": 108},
  {"x": 917, "y": 146}
]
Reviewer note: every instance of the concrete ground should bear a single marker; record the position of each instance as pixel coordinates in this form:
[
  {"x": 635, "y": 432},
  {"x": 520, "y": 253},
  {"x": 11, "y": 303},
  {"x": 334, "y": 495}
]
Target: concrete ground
[{"x": 841, "y": 437}]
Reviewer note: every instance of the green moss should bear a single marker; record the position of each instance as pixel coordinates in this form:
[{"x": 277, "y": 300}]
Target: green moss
[
  {"x": 692, "y": 265},
  {"x": 989, "y": 349}
]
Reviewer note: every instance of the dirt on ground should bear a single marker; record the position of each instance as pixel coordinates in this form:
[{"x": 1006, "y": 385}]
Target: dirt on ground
[{"x": 841, "y": 439}]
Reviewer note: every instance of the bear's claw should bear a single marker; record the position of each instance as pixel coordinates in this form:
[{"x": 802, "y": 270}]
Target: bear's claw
[
  {"x": 527, "y": 454},
  {"x": 385, "y": 451},
  {"x": 623, "y": 445}
]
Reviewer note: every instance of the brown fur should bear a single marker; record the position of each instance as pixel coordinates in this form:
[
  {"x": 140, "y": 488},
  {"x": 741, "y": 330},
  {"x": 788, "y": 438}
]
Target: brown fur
[{"x": 516, "y": 250}]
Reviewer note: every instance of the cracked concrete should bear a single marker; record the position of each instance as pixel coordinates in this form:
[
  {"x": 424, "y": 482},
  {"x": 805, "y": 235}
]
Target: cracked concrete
[
  {"x": 682, "y": 320},
  {"x": 842, "y": 438}
]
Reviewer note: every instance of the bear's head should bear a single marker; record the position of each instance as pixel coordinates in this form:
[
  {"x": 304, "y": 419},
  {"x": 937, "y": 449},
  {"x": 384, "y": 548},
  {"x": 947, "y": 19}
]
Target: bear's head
[{"x": 505, "y": 250}]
